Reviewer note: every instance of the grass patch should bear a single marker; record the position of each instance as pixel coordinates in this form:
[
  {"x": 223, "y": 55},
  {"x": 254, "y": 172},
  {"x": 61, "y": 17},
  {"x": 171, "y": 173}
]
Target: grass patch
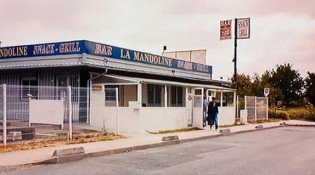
[
  {"x": 226, "y": 126},
  {"x": 270, "y": 120},
  {"x": 175, "y": 130},
  {"x": 59, "y": 141}
]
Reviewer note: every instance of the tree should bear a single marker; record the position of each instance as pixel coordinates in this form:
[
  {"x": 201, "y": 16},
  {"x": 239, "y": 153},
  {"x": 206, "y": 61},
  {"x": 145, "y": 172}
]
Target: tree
[
  {"x": 243, "y": 85},
  {"x": 289, "y": 82},
  {"x": 275, "y": 94},
  {"x": 257, "y": 87},
  {"x": 310, "y": 87},
  {"x": 264, "y": 81}
]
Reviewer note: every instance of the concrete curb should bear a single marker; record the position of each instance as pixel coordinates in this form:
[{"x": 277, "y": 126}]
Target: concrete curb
[
  {"x": 297, "y": 125},
  {"x": 70, "y": 158},
  {"x": 76, "y": 157}
]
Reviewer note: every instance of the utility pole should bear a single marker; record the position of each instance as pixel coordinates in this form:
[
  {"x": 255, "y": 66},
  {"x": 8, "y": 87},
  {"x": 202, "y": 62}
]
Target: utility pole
[{"x": 235, "y": 54}]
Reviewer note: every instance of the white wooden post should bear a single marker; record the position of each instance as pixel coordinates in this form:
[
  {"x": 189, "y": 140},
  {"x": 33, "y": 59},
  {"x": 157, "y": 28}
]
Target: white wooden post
[
  {"x": 4, "y": 88},
  {"x": 88, "y": 111},
  {"x": 267, "y": 107},
  {"x": 165, "y": 96},
  {"x": 255, "y": 108},
  {"x": 117, "y": 115},
  {"x": 221, "y": 103},
  {"x": 245, "y": 106},
  {"x": 70, "y": 112},
  {"x": 29, "y": 110},
  {"x": 139, "y": 98},
  {"x": 235, "y": 101}
]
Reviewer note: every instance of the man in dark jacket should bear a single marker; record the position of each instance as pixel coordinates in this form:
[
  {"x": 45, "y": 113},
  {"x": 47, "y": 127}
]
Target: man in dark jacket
[{"x": 213, "y": 113}]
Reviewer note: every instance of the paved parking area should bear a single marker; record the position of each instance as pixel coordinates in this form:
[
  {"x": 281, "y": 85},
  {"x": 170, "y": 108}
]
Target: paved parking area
[{"x": 287, "y": 150}]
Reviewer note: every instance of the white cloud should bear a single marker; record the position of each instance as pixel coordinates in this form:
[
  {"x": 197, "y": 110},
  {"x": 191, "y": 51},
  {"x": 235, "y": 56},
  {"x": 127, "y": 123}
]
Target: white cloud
[{"x": 280, "y": 31}]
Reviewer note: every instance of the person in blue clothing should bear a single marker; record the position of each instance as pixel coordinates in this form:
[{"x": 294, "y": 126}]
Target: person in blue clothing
[
  {"x": 213, "y": 113},
  {"x": 205, "y": 109}
]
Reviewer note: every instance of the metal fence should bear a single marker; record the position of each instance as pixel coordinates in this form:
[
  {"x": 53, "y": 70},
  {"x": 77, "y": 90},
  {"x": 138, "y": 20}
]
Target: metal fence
[
  {"x": 19, "y": 97},
  {"x": 257, "y": 108}
]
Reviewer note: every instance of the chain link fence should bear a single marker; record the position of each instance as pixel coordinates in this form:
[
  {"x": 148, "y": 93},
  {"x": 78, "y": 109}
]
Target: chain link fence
[
  {"x": 19, "y": 100},
  {"x": 24, "y": 106},
  {"x": 257, "y": 108}
]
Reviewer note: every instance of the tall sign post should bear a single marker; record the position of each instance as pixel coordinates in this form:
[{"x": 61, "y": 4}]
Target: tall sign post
[
  {"x": 235, "y": 54},
  {"x": 241, "y": 31}
]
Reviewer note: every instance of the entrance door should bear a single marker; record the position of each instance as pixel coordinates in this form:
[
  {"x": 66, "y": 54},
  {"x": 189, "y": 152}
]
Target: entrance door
[
  {"x": 189, "y": 106},
  {"x": 198, "y": 107}
]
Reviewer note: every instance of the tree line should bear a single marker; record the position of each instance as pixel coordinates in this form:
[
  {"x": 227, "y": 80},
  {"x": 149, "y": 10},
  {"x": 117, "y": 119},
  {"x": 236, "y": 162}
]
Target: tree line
[{"x": 287, "y": 87}]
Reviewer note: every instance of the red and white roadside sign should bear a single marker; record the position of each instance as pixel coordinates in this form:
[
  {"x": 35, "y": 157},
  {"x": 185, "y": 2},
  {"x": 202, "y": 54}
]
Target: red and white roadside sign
[
  {"x": 243, "y": 28},
  {"x": 266, "y": 91},
  {"x": 225, "y": 29}
]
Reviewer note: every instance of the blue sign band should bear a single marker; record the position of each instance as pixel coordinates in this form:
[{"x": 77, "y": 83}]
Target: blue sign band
[{"x": 88, "y": 47}]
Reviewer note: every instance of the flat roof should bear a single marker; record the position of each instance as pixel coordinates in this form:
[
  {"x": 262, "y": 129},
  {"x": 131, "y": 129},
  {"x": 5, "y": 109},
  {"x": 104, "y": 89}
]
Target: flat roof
[{"x": 136, "y": 80}]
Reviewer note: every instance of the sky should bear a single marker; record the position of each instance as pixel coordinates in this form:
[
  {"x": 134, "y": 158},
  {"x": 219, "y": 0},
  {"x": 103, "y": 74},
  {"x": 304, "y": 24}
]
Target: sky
[{"x": 281, "y": 31}]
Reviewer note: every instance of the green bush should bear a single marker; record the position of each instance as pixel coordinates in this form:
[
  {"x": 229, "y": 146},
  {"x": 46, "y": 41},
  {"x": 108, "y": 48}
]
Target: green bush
[
  {"x": 282, "y": 115},
  {"x": 299, "y": 113},
  {"x": 278, "y": 115},
  {"x": 311, "y": 116},
  {"x": 271, "y": 113},
  {"x": 307, "y": 113}
]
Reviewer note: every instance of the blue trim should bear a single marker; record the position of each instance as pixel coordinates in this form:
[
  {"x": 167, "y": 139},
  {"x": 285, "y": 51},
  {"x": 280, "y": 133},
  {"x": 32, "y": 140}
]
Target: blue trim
[{"x": 98, "y": 49}]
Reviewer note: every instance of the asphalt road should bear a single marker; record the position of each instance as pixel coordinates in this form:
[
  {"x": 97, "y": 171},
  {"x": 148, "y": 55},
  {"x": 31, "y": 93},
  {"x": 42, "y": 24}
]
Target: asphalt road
[{"x": 288, "y": 150}]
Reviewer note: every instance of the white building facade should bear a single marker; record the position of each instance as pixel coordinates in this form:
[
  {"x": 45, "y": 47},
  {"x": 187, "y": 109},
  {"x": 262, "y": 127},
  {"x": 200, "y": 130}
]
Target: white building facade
[{"x": 155, "y": 93}]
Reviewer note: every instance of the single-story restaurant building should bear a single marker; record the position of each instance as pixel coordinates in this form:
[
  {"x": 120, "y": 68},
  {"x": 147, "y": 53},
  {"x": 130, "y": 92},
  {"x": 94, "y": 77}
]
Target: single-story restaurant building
[{"x": 154, "y": 92}]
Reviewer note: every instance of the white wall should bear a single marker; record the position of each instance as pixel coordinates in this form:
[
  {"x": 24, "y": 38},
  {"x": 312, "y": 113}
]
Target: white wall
[
  {"x": 46, "y": 112},
  {"x": 139, "y": 120},
  {"x": 148, "y": 118},
  {"x": 226, "y": 116},
  {"x": 159, "y": 119},
  {"x": 135, "y": 120},
  {"x": 198, "y": 56},
  {"x": 97, "y": 108},
  {"x": 198, "y": 117}
]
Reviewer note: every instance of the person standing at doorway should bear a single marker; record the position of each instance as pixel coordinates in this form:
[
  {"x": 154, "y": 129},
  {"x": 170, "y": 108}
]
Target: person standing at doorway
[
  {"x": 205, "y": 109},
  {"x": 213, "y": 113}
]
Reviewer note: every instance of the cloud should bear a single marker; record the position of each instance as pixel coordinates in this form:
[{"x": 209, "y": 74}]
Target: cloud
[
  {"x": 280, "y": 31},
  {"x": 240, "y": 8}
]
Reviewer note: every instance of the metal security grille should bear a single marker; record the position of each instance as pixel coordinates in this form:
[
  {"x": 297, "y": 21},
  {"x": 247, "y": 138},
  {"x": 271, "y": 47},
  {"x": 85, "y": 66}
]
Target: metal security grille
[
  {"x": 18, "y": 101},
  {"x": 257, "y": 108}
]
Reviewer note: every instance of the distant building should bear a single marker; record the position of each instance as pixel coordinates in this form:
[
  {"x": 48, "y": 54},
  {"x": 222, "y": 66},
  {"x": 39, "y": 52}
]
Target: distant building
[{"x": 197, "y": 56}]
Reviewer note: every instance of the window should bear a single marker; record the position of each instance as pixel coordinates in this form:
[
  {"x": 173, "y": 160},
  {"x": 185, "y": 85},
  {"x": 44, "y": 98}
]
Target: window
[
  {"x": 198, "y": 98},
  {"x": 154, "y": 95},
  {"x": 177, "y": 96},
  {"x": 110, "y": 95},
  {"x": 227, "y": 99},
  {"x": 29, "y": 88}
]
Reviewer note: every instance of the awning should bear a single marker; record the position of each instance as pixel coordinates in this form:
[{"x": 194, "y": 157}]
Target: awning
[{"x": 135, "y": 80}]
